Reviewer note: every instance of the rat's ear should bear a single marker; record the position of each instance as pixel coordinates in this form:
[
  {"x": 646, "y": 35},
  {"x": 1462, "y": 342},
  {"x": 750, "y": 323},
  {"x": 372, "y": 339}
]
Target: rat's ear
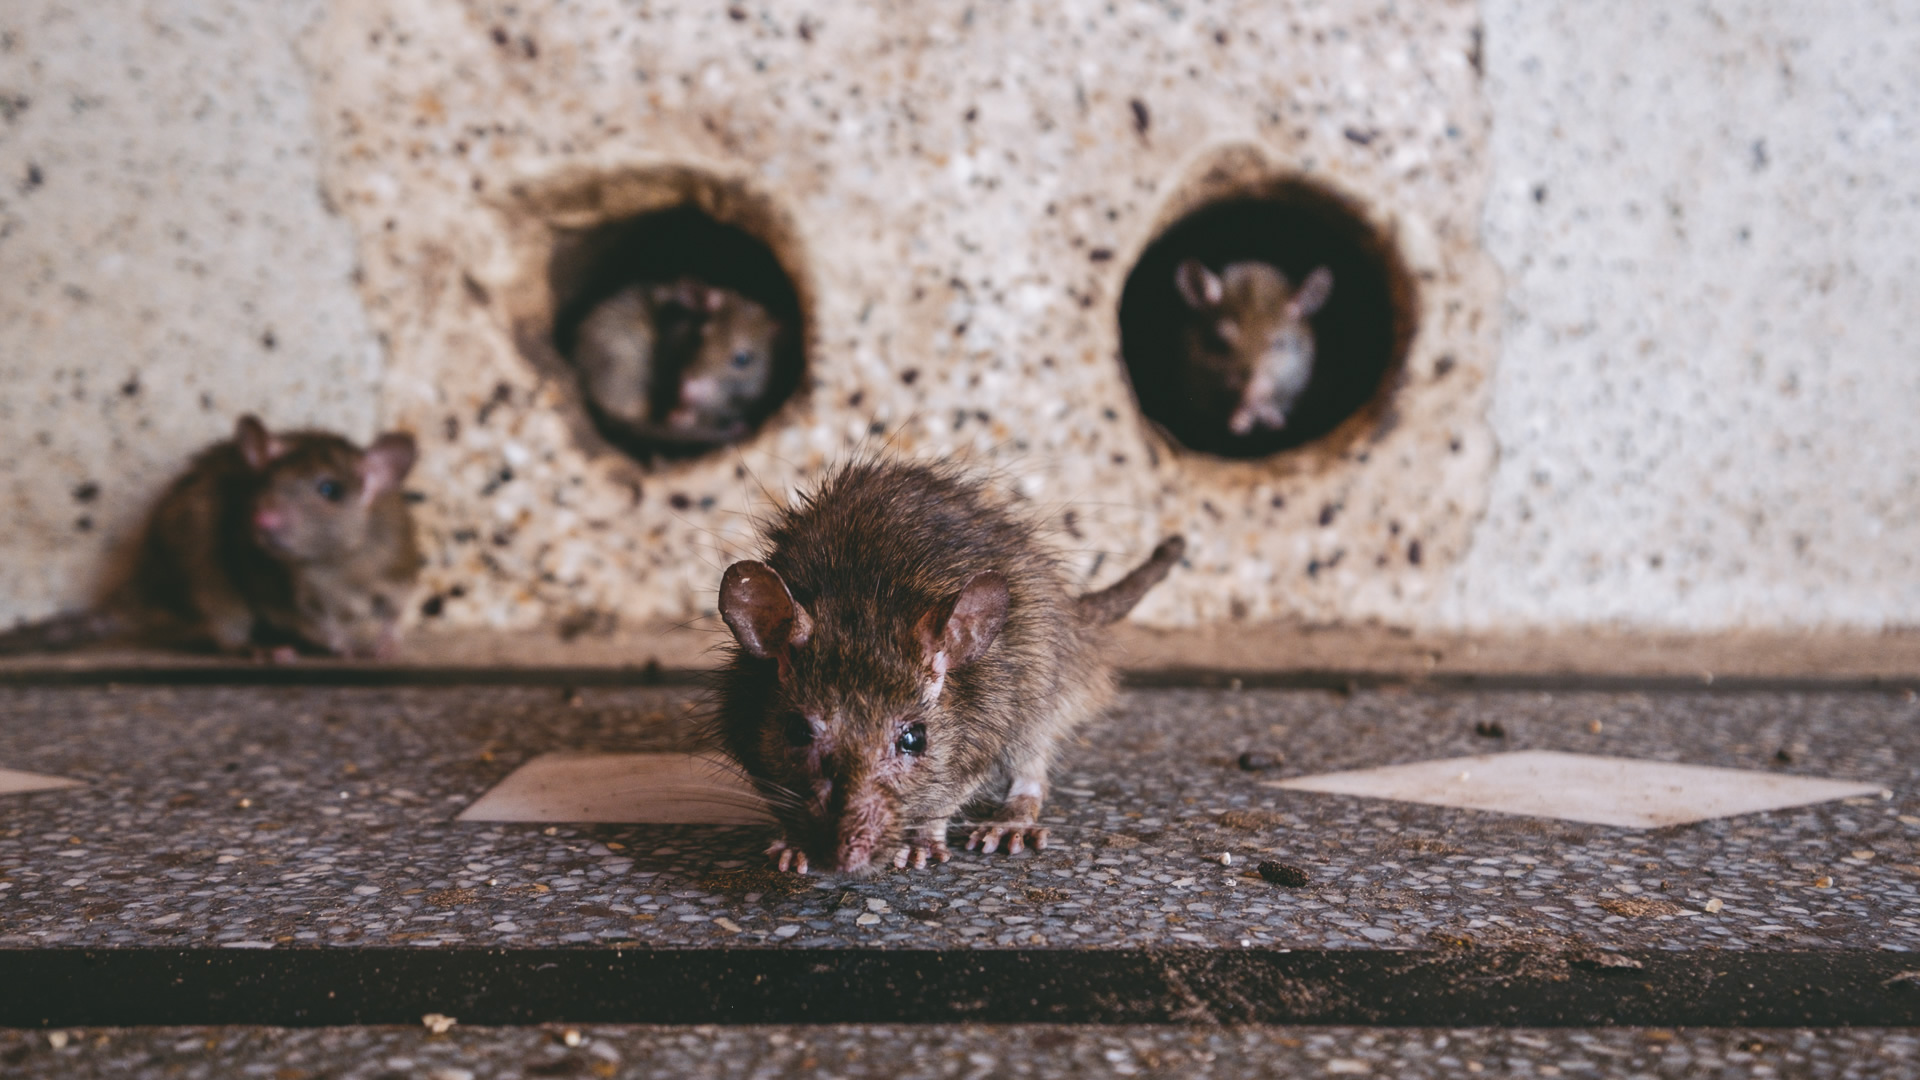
[
  {"x": 957, "y": 632},
  {"x": 1198, "y": 286},
  {"x": 1313, "y": 293},
  {"x": 385, "y": 464},
  {"x": 257, "y": 446},
  {"x": 762, "y": 614}
]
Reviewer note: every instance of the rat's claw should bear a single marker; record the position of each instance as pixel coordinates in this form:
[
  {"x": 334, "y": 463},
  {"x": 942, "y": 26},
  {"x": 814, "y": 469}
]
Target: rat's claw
[
  {"x": 1018, "y": 835},
  {"x": 787, "y": 857},
  {"x": 918, "y": 851}
]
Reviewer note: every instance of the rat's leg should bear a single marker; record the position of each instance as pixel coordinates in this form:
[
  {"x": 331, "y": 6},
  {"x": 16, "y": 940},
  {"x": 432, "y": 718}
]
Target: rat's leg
[
  {"x": 225, "y": 613},
  {"x": 1018, "y": 820},
  {"x": 788, "y": 856},
  {"x": 927, "y": 840}
]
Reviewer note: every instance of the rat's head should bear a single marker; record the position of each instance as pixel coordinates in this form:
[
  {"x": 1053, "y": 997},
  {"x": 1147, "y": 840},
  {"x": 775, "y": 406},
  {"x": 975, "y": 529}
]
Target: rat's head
[
  {"x": 316, "y": 495},
  {"x": 732, "y": 365},
  {"x": 852, "y": 735},
  {"x": 1252, "y": 330}
]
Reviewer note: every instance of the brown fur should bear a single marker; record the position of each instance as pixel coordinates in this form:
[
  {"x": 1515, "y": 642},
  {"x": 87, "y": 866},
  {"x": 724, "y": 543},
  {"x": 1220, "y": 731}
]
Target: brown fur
[
  {"x": 870, "y": 585},
  {"x": 679, "y": 361},
  {"x": 331, "y": 574}
]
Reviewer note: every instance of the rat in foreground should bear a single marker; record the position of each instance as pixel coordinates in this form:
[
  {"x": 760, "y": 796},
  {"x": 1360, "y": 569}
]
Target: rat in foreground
[
  {"x": 267, "y": 542},
  {"x": 1250, "y": 346},
  {"x": 907, "y": 642},
  {"x": 682, "y": 361}
]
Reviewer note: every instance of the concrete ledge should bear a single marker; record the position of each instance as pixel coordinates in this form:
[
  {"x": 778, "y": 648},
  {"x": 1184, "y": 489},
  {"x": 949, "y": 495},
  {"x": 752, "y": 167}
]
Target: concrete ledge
[{"x": 1201, "y": 653}]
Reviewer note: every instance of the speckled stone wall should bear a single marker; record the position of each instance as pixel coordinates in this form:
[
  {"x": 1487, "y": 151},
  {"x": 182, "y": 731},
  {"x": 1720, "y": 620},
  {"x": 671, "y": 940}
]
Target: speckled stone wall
[
  {"x": 958, "y": 193},
  {"x": 1661, "y": 268},
  {"x": 167, "y": 261}
]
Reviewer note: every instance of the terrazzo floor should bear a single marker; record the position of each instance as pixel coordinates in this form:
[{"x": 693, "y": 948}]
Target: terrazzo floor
[
  {"x": 288, "y": 816},
  {"x": 974, "y": 1052},
  {"x": 318, "y": 816}
]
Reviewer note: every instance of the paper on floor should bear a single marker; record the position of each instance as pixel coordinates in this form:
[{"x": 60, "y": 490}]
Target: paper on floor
[
  {"x": 1583, "y": 787},
  {"x": 643, "y": 789},
  {"x": 14, "y": 782}
]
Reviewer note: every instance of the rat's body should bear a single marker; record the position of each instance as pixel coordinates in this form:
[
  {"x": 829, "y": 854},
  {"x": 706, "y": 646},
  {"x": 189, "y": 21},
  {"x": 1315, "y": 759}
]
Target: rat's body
[
  {"x": 267, "y": 542},
  {"x": 681, "y": 361},
  {"x": 907, "y": 643},
  {"x": 1249, "y": 349}
]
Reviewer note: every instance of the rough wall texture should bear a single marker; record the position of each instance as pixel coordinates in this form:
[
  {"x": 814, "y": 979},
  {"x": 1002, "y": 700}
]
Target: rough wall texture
[
  {"x": 948, "y": 262},
  {"x": 167, "y": 262},
  {"x": 1709, "y": 218},
  {"x": 1687, "y": 403}
]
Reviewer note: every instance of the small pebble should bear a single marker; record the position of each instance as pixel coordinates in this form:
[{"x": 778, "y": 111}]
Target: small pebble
[
  {"x": 1714, "y": 905},
  {"x": 571, "y": 1037},
  {"x": 1595, "y": 727},
  {"x": 1226, "y": 858},
  {"x": 1256, "y": 761},
  {"x": 438, "y": 1023},
  {"x": 1279, "y": 873},
  {"x": 1823, "y": 882}
]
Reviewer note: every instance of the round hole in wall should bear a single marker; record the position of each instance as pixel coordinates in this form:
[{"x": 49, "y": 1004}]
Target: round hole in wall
[
  {"x": 682, "y": 332},
  {"x": 1215, "y": 313}
]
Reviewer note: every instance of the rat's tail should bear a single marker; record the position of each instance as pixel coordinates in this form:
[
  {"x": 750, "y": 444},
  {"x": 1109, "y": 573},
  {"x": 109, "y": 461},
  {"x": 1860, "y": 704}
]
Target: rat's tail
[
  {"x": 1112, "y": 603},
  {"x": 62, "y": 632}
]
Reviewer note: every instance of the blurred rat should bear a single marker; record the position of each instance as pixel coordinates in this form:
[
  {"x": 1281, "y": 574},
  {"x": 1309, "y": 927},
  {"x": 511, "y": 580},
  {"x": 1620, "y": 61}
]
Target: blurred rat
[
  {"x": 907, "y": 642},
  {"x": 266, "y": 544},
  {"x": 682, "y": 361},
  {"x": 1249, "y": 349}
]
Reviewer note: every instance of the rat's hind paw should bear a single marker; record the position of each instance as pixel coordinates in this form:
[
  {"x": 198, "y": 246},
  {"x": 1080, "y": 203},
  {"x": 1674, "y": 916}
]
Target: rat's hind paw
[
  {"x": 1018, "y": 835},
  {"x": 916, "y": 853},
  {"x": 787, "y": 857}
]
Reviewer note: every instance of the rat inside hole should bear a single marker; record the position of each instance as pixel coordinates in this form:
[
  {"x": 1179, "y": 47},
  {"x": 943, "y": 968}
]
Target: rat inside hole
[
  {"x": 684, "y": 332},
  {"x": 1262, "y": 322}
]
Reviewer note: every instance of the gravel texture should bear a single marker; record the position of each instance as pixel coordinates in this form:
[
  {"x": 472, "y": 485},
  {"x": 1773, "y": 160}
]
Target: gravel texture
[
  {"x": 321, "y": 816},
  {"x": 951, "y": 1051}
]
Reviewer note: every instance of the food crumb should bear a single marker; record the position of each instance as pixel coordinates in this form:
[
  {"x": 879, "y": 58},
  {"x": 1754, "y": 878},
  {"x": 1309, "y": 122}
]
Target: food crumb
[
  {"x": 438, "y": 1023},
  {"x": 1279, "y": 873}
]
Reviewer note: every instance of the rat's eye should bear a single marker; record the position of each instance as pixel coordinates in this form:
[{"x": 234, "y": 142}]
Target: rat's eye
[
  {"x": 743, "y": 359},
  {"x": 330, "y": 489},
  {"x": 799, "y": 729},
  {"x": 912, "y": 741}
]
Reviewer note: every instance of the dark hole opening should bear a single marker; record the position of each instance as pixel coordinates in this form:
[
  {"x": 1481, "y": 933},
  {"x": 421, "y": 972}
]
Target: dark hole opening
[
  {"x": 1359, "y": 334},
  {"x": 663, "y": 251}
]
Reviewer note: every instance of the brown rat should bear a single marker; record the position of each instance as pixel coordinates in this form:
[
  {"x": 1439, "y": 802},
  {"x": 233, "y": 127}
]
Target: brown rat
[
  {"x": 682, "y": 361},
  {"x": 907, "y": 642},
  {"x": 267, "y": 542},
  {"x": 1250, "y": 348}
]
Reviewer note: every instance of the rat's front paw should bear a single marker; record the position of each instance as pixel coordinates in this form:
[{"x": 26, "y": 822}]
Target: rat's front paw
[
  {"x": 917, "y": 851},
  {"x": 787, "y": 857},
  {"x": 1017, "y": 834}
]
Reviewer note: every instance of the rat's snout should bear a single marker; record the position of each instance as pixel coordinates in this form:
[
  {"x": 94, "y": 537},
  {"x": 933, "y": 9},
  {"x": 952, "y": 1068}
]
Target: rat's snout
[
  {"x": 268, "y": 520},
  {"x": 698, "y": 391},
  {"x": 864, "y": 825}
]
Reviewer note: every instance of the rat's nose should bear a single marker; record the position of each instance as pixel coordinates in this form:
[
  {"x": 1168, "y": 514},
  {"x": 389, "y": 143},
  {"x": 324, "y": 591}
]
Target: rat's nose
[
  {"x": 266, "y": 519},
  {"x": 699, "y": 391}
]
